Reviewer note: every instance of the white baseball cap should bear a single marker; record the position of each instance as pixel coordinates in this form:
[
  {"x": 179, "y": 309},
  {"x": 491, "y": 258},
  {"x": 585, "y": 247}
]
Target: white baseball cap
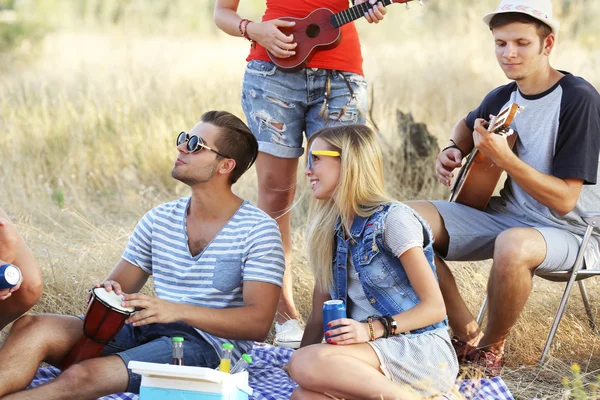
[{"x": 538, "y": 9}]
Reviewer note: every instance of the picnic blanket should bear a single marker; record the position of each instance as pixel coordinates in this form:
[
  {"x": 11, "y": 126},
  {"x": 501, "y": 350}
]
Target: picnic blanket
[{"x": 270, "y": 382}]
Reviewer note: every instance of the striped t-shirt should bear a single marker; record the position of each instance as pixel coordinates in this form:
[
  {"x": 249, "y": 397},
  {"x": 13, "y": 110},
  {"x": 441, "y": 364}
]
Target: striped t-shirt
[{"x": 248, "y": 248}]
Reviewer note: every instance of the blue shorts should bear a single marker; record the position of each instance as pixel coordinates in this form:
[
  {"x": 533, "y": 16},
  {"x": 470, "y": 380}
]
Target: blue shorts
[
  {"x": 152, "y": 343},
  {"x": 281, "y": 106}
]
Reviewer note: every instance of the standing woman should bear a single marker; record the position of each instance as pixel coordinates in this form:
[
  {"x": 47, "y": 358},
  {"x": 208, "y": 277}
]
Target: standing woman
[
  {"x": 281, "y": 106},
  {"x": 375, "y": 254}
]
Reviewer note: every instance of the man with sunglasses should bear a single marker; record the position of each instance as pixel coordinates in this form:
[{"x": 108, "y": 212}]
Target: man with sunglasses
[{"x": 217, "y": 264}]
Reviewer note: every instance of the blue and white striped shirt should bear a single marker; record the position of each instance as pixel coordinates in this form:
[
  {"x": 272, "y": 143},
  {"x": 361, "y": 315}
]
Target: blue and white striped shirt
[{"x": 248, "y": 248}]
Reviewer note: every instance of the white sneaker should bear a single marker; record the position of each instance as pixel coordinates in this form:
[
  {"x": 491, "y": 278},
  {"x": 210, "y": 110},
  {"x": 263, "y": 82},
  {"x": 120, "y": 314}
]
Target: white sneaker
[{"x": 289, "y": 334}]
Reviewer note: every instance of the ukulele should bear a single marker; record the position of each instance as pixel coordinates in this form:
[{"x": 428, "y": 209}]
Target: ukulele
[
  {"x": 478, "y": 177},
  {"x": 320, "y": 30}
]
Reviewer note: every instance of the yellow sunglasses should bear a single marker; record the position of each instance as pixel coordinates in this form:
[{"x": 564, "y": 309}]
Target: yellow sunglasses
[{"x": 329, "y": 153}]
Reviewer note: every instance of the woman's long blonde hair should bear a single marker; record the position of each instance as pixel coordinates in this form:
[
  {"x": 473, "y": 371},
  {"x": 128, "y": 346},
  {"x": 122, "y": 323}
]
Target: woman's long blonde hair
[{"x": 360, "y": 191}]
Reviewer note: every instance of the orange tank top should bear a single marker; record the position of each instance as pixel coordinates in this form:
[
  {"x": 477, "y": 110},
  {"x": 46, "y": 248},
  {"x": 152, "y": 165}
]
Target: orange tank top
[{"x": 346, "y": 56}]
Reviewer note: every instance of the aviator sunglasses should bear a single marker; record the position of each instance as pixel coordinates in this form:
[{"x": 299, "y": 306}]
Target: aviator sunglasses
[
  {"x": 329, "y": 153},
  {"x": 195, "y": 144}
]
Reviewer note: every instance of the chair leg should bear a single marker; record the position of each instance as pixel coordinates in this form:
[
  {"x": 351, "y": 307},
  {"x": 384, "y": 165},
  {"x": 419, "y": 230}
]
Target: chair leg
[
  {"x": 482, "y": 311},
  {"x": 565, "y": 297},
  {"x": 588, "y": 308},
  {"x": 557, "y": 318}
]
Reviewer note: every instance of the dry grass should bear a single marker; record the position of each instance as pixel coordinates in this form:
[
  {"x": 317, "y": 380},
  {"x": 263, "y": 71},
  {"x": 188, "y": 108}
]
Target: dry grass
[{"x": 87, "y": 146}]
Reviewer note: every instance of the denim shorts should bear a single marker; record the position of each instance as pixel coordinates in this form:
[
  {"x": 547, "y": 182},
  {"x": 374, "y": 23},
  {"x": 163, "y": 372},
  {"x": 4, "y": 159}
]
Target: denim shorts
[
  {"x": 152, "y": 343},
  {"x": 280, "y": 106}
]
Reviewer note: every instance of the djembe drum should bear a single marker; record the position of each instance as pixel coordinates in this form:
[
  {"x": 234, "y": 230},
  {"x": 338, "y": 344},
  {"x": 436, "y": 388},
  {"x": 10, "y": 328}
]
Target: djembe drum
[{"x": 104, "y": 318}]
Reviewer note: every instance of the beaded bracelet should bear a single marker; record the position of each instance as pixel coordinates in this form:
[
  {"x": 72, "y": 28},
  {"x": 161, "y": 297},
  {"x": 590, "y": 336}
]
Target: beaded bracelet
[
  {"x": 240, "y": 26},
  {"x": 245, "y": 34},
  {"x": 371, "y": 329},
  {"x": 243, "y": 28}
]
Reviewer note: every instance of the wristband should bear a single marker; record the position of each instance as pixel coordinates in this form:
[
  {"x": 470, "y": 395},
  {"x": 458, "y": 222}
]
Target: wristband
[
  {"x": 386, "y": 326},
  {"x": 243, "y": 28},
  {"x": 371, "y": 329},
  {"x": 393, "y": 325},
  {"x": 240, "y": 26},
  {"x": 454, "y": 146}
]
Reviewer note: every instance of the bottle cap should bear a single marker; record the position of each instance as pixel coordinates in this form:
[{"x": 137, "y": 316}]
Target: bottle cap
[
  {"x": 177, "y": 339},
  {"x": 247, "y": 358},
  {"x": 228, "y": 346}
]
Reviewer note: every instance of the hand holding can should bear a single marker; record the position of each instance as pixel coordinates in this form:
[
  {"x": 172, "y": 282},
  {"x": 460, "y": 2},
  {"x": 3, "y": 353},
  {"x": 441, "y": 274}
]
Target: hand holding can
[
  {"x": 10, "y": 276},
  {"x": 332, "y": 310}
]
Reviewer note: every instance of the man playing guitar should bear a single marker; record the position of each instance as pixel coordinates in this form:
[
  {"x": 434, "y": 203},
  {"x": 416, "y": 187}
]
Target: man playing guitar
[
  {"x": 282, "y": 105},
  {"x": 534, "y": 224}
]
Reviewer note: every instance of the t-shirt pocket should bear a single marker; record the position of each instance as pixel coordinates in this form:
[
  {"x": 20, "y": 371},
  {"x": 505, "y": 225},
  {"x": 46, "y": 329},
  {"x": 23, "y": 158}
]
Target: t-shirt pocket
[{"x": 227, "y": 274}]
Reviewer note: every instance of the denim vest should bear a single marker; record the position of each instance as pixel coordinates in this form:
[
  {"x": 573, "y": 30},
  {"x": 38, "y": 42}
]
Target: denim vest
[{"x": 381, "y": 274}]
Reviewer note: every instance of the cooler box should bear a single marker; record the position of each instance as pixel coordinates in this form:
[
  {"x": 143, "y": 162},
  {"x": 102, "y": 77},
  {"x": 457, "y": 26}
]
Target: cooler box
[{"x": 176, "y": 382}]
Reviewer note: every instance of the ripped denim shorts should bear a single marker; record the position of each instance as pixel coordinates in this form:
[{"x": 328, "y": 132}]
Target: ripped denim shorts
[{"x": 280, "y": 106}]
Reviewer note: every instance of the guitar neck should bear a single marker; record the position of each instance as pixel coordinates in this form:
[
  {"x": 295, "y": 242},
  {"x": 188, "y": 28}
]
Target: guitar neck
[{"x": 354, "y": 13}]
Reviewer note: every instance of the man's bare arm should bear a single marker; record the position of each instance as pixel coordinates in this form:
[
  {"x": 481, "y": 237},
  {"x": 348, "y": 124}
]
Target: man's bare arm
[
  {"x": 558, "y": 194},
  {"x": 129, "y": 278},
  {"x": 252, "y": 321}
]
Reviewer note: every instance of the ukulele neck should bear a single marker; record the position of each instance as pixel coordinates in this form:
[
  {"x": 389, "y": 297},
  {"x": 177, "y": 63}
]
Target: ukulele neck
[{"x": 354, "y": 13}]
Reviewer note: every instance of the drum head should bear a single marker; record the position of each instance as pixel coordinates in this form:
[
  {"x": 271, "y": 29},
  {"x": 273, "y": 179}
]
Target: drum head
[{"x": 112, "y": 300}]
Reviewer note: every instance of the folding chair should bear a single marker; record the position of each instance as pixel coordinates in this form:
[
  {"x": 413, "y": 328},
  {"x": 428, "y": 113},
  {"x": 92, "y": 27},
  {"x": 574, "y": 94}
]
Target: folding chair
[{"x": 592, "y": 219}]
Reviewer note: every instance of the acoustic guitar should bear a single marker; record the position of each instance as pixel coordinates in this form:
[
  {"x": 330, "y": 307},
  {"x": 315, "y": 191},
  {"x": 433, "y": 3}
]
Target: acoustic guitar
[
  {"x": 320, "y": 30},
  {"x": 478, "y": 177}
]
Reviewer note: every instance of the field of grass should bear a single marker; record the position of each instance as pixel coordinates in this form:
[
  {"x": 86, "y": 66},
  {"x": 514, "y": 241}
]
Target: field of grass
[{"x": 89, "y": 117}]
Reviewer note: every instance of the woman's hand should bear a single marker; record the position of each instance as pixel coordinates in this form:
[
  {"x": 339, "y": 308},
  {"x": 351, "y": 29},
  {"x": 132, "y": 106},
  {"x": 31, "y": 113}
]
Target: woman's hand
[
  {"x": 347, "y": 331},
  {"x": 375, "y": 14},
  {"x": 268, "y": 35}
]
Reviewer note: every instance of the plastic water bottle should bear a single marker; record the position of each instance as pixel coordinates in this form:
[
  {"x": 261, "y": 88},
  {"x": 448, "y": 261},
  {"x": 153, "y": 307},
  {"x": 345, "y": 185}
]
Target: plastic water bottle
[
  {"x": 177, "y": 345},
  {"x": 242, "y": 364}
]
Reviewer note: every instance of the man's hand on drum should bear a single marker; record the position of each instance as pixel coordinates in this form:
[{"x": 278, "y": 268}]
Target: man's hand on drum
[
  {"x": 151, "y": 310},
  {"x": 108, "y": 285}
]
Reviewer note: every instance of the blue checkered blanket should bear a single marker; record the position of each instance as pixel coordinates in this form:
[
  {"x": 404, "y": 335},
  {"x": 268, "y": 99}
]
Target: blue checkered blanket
[{"x": 270, "y": 382}]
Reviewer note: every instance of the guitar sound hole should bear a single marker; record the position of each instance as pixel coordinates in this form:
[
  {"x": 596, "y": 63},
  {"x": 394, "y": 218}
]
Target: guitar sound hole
[{"x": 313, "y": 30}]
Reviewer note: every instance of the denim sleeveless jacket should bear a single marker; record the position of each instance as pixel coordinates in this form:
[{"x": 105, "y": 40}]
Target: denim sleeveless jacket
[{"x": 381, "y": 274}]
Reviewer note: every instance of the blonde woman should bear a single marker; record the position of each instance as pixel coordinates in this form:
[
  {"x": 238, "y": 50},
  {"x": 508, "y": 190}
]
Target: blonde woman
[{"x": 375, "y": 254}]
